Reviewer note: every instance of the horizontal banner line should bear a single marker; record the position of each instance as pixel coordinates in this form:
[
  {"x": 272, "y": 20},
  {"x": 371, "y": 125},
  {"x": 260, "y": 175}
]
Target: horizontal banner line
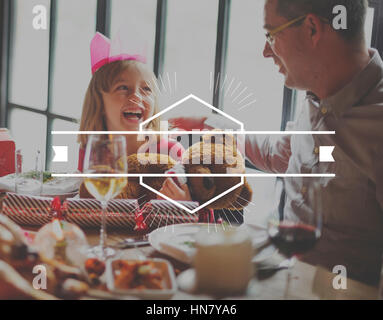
[
  {"x": 195, "y": 132},
  {"x": 162, "y": 175}
]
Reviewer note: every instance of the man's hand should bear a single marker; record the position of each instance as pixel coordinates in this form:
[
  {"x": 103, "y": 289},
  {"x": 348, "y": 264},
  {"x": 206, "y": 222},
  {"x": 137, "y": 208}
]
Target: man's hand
[
  {"x": 171, "y": 190},
  {"x": 188, "y": 124}
]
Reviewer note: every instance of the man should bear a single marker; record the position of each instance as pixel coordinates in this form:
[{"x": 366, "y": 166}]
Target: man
[{"x": 344, "y": 81}]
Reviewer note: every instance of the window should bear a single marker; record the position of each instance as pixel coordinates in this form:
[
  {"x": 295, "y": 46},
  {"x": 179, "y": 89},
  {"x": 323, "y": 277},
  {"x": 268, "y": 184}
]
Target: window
[
  {"x": 189, "y": 50},
  {"x": 29, "y": 131},
  {"x": 43, "y": 66},
  {"x": 29, "y": 58},
  {"x": 249, "y": 73},
  {"x": 135, "y": 15},
  {"x": 74, "y": 27},
  {"x": 28, "y": 81}
]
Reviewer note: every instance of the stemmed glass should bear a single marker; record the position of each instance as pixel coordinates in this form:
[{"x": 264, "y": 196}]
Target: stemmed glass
[
  {"x": 105, "y": 155},
  {"x": 31, "y": 182},
  {"x": 296, "y": 233}
]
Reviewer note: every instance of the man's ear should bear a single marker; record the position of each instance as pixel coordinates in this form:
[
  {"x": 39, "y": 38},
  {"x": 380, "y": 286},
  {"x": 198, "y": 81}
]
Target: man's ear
[{"x": 315, "y": 28}]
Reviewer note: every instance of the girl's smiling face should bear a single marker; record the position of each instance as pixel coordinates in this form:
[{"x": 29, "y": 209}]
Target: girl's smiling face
[{"x": 130, "y": 100}]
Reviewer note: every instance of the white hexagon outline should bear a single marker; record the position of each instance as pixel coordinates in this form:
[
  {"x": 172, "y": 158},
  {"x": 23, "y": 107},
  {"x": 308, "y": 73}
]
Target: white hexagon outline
[
  {"x": 175, "y": 202},
  {"x": 192, "y": 96},
  {"x": 199, "y": 207}
]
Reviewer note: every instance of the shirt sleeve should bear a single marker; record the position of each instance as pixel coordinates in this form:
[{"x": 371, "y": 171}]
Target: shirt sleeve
[
  {"x": 379, "y": 178},
  {"x": 268, "y": 153}
]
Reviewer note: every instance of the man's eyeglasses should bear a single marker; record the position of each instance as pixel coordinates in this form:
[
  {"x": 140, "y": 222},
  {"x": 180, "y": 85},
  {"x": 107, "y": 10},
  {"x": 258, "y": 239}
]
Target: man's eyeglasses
[{"x": 270, "y": 35}]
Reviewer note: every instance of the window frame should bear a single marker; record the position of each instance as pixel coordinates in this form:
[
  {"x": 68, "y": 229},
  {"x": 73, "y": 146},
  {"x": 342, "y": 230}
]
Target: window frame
[
  {"x": 222, "y": 41},
  {"x": 5, "y": 9},
  {"x": 377, "y": 37}
]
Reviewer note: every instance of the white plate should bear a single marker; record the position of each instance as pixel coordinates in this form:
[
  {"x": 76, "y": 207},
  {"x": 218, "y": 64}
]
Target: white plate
[
  {"x": 57, "y": 186},
  {"x": 175, "y": 235},
  {"x": 169, "y": 277},
  {"x": 170, "y": 240}
]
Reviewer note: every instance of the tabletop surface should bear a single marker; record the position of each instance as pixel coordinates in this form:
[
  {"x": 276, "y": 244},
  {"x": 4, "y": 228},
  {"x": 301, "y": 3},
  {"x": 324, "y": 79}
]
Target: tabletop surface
[{"x": 304, "y": 281}]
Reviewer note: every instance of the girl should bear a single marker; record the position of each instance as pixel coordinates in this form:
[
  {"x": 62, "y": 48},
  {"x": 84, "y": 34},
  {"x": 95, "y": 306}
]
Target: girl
[{"x": 121, "y": 95}]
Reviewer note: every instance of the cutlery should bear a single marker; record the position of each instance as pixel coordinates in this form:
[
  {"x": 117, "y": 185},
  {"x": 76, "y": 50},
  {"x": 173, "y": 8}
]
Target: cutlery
[
  {"x": 133, "y": 242},
  {"x": 267, "y": 270}
]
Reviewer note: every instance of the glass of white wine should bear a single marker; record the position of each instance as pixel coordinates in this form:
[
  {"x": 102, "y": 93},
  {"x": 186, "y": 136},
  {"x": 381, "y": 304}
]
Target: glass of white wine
[{"x": 106, "y": 164}]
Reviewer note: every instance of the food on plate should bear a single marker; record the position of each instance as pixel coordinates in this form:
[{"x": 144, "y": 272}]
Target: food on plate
[
  {"x": 17, "y": 264},
  {"x": 137, "y": 275},
  {"x": 47, "y": 176},
  {"x": 190, "y": 244},
  {"x": 96, "y": 266}
]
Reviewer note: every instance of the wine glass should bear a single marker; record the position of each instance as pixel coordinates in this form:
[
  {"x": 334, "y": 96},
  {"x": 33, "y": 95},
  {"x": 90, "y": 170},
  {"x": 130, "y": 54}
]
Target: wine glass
[
  {"x": 296, "y": 233},
  {"x": 105, "y": 155},
  {"x": 29, "y": 182}
]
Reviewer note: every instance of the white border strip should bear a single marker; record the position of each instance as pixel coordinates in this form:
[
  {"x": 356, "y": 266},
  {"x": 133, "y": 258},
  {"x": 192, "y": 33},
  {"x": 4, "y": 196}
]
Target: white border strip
[
  {"x": 162, "y": 175},
  {"x": 194, "y": 132}
]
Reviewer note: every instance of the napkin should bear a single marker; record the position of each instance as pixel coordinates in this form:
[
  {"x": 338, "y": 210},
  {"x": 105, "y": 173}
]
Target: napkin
[{"x": 7, "y": 183}]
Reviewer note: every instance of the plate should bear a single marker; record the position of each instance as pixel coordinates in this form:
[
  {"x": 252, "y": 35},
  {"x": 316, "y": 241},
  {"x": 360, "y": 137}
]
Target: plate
[
  {"x": 62, "y": 187},
  {"x": 177, "y": 241},
  {"x": 161, "y": 264}
]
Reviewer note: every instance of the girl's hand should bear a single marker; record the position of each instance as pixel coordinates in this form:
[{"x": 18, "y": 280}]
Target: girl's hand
[{"x": 171, "y": 190}]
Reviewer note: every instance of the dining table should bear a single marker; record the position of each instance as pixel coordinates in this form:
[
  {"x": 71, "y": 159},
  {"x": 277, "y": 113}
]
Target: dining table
[{"x": 301, "y": 282}]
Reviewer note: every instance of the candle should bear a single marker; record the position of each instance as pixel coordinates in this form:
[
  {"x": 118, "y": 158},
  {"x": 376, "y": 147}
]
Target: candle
[{"x": 61, "y": 244}]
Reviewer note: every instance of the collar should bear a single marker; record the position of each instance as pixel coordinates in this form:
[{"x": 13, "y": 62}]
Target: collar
[{"x": 359, "y": 87}]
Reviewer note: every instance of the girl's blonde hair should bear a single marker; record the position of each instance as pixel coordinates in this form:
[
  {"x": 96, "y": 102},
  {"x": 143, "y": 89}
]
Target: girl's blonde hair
[{"x": 93, "y": 114}]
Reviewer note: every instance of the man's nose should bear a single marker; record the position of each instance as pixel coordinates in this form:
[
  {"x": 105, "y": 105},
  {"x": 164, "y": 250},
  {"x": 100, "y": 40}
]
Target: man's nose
[{"x": 267, "y": 51}]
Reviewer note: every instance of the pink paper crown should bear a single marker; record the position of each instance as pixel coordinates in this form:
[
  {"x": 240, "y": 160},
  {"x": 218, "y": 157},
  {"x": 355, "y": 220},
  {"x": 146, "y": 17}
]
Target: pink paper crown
[{"x": 104, "y": 51}]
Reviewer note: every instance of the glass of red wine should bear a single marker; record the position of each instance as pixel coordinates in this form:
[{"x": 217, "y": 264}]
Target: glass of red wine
[{"x": 296, "y": 233}]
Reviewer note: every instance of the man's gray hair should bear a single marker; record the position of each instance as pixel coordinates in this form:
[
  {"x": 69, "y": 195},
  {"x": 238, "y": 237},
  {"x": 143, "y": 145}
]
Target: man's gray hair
[{"x": 356, "y": 13}]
